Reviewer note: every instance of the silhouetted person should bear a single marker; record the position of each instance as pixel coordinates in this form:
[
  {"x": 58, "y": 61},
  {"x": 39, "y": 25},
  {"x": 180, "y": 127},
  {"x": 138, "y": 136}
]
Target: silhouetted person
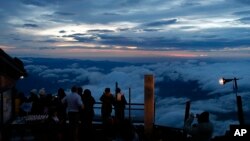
[
  {"x": 107, "y": 100},
  {"x": 74, "y": 105},
  {"x": 120, "y": 104},
  {"x": 36, "y": 108},
  {"x": 203, "y": 130},
  {"x": 60, "y": 107},
  {"x": 88, "y": 113},
  {"x": 80, "y": 91},
  {"x": 42, "y": 108}
]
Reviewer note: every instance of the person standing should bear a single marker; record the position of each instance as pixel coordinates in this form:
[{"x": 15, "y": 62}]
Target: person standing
[
  {"x": 74, "y": 105},
  {"x": 107, "y": 100},
  {"x": 203, "y": 130},
  {"x": 120, "y": 105},
  {"x": 88, "y": 114}
]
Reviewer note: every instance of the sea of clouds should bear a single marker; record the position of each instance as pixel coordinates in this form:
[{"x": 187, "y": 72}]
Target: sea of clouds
[{"x": 169, "y": 109}]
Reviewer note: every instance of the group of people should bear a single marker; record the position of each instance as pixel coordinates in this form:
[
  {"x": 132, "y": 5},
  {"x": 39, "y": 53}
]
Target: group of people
[{"x": 77, "y": 107}]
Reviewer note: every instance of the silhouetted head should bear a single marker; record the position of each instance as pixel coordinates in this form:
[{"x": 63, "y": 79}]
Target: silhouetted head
[
  {"x": 118, "y": 90},
  {"x": 33, "y": 91},
  {"x": 107, "y": 90},
  {"x": 79, "y": 90},
  {"x": 203, "y": 117},
  {"x": 87, "y": 92},
  {"x": 74, "y": 89},
  {"x": 61, "y": 93},
  {"x": 42, "y": 92}
]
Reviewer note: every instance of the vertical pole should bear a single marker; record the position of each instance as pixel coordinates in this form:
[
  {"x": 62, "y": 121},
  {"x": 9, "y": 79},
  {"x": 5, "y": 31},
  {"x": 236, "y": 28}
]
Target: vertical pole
[
  {"x": 239, "y": 103},
  {"x": 129, "y": 106},
  {"x": 240, "y": 110},
  {"x": 148, "y": 104},
  {"x": 187, "y": 111}
]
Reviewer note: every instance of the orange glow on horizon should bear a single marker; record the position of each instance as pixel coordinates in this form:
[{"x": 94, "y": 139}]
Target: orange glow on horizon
[{"x": 102, "y": 52}]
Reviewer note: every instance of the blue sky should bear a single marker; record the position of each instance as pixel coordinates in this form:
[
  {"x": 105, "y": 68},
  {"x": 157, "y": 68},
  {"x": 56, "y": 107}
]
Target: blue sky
[{"x": 125, "y": 28}]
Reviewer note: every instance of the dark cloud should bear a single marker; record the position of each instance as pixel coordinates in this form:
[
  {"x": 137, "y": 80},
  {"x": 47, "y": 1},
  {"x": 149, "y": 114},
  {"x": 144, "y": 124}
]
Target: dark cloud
[
  {"x": 64, "y": 13},
  {"x": 161, "y": 23},
  {"x": 151, "y": 30},
  {"x": 123, "y": 29},
  {"x": 137, "y": 22},
  {"x": 247, "y": 12},
  {"x": 243, "y": 1},
  {"x": 62, "y": 31},
  {"x": 111, "y": 14},
  {"x": 206, "y": 42},
  {"x": 49, "y": 41},
  {"x": 86, "y": 38},
  {"x": 245, "y": 20},
  {"x": 39, "y": 3},
  {"x": 188, "y": 27},
  {"x": 100, "y": 31},
  {"x": 30, "y": 25},
  {"x": 42, "y": 3},
  {"x": 206, "y": 36},
  {"x": 45, "y": 48}
]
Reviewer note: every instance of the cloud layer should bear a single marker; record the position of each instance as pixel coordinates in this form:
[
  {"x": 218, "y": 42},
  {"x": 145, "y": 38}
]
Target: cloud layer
[
  {"x": 219, "y": 100},
  {"x": 151, "y": 25}
]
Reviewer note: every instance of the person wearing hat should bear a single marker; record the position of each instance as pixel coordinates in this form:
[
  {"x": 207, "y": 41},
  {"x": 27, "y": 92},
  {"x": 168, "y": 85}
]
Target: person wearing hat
[{"x": 203, "y": 130}]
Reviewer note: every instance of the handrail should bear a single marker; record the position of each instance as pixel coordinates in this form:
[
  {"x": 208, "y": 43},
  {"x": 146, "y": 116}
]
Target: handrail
[{"x": 127, "y": 108}]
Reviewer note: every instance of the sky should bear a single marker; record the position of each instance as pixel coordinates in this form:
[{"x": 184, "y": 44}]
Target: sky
[
  {"x": 138, "y": 29},
  {"x": 125, "y": 28}
]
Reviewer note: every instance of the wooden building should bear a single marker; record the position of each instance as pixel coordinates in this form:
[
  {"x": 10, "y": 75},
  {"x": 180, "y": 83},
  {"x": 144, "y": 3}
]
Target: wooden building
[{"x": 11, "y": 70}]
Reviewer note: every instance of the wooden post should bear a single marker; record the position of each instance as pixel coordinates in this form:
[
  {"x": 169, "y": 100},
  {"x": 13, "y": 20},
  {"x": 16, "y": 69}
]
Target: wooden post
[{"x": 148, "y": 104}]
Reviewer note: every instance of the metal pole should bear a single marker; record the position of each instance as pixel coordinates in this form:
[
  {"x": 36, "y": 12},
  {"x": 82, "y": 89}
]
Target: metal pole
[
  {"x": 129, "y": 106},
  {"x": 239, "y": 103},
  {"x": 240, "y": 110},
  {"x": 187, "y": 110}
]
